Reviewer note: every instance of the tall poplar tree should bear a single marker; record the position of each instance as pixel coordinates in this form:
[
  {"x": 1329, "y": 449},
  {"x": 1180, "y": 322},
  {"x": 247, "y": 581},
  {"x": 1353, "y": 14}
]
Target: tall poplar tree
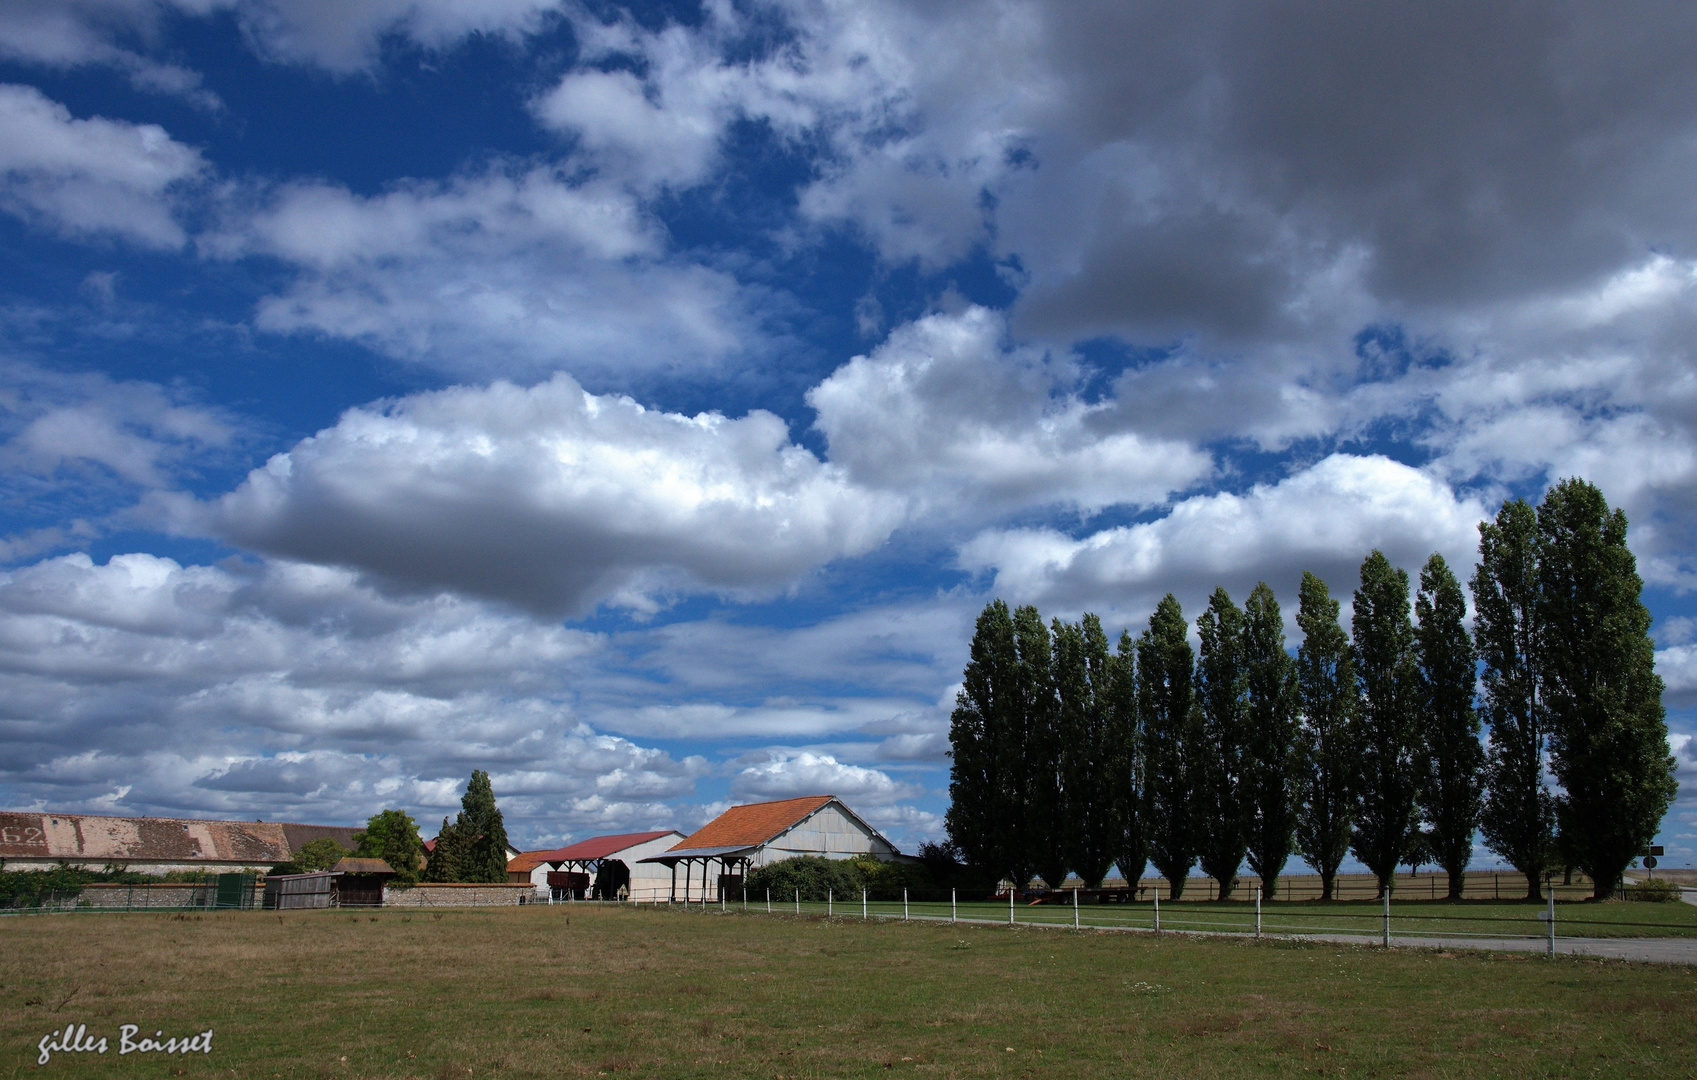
[
  {"x": 1326, "y": 743},
  {"x": 1608, "y": 730},
  {"x": 1044, "y": 831},
  {"x": 1131, "y": 852},
  {"x": 1270, "y": 743},
  {"x": 1221, "y": 686},
  {"x": 1518, "y": 816},
  {"x": 1170, "y": 723},
  {"x": 979, "y": 819},
  {"x": 1392, "y": 739},
  {"x": 1454, "y": 762},
  {"x": 1089, "y": 754}
]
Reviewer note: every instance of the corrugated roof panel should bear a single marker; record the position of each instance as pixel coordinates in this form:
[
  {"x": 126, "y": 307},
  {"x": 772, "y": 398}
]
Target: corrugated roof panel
[{"x": 752, "y": 823}]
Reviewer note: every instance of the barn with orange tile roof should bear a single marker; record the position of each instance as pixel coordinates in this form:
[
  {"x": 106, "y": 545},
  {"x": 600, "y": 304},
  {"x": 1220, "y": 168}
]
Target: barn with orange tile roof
[{"x": 756, "y": 834}]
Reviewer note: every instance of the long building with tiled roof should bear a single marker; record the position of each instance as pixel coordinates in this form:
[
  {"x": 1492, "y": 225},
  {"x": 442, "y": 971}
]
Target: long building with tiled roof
[{"x": 36, "y": 840}]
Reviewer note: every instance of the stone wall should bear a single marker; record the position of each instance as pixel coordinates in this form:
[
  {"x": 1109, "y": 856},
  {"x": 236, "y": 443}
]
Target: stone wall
[
  {"x": 437, "y": 895},
  {"x": 168, "y": 895}
]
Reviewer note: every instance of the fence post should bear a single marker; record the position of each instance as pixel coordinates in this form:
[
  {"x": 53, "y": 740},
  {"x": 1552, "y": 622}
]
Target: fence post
[
  {"x": 863, "y": 905},
  {"x": 904, "y": 903},
  {"x": 1075, "y": 909},
  {"x": 1010, "y": 904},
  {"x": 768, "y": 901},
  {"x": 1387, "y": 918},
  {"x": 1551, "y": 915},
  {"x": 1257, "y": 913},
  {"x": 830, "y": 902},
  {"x": 952, "y": 917},
  {"x": 1157, "y": 895}
]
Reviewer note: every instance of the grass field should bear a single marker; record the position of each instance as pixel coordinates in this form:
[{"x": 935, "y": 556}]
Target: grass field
[{"x": 586, "y": 991}]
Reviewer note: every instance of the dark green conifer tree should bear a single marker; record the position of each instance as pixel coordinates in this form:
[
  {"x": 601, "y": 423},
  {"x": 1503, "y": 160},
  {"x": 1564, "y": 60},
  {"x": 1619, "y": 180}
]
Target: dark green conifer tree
[
  {"x": 1088, "y": 754},
  {"x": 1222, "y": 809},
  {"x": 1041, "y": 799},
  {"x": 1326, "y": 739},
  {"x": 1131, "y": 852},
  {"x": 1392, "y": 737},
  {"x": 445, "y": 855},
  {"x": 1170, "y": 725},
  {"x": 483, "y": 833},
  {"x": 980, "y": 817},
  {"x": 1518, "y": 816},
  {"x": 1270, "y": 744},
  {"x": 1454, "y": 761},
  {"x": 1608, "y": 730}
]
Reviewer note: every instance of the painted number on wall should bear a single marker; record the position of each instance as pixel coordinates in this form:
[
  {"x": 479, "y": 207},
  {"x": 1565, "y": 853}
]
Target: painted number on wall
[{"x": 21, "y": 834}]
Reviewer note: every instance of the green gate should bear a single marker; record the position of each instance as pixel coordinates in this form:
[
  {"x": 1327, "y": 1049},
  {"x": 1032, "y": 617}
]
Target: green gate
[{"x": 234, "y": 891}]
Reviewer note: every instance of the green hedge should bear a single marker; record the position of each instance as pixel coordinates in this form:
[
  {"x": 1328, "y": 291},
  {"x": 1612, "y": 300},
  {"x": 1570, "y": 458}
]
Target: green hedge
[{"x": 931, "y": 878}]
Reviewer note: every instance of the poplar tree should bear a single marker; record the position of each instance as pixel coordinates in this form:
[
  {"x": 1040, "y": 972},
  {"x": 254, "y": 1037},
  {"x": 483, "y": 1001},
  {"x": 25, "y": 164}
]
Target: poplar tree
[
  {"x": 1608, "y": 730},
  {"x": 482, "y": 832},
  {"x": 1043, "y": 834},
  {"x": 981, "y": 782},
  {"x": 1452, "y": 787},
  {"x": 1270, "y": 738},
  {"x": 1518, "y": 816},
  {"x": 1326, "y": 744},
  {"x": 1089, "y": 754},
  {"x": 1169, "y": 722},
  {"x": 1126, "y": 765},
  {"x": 1391, "y": 738},
  {"x": 1221, "y": 684}
]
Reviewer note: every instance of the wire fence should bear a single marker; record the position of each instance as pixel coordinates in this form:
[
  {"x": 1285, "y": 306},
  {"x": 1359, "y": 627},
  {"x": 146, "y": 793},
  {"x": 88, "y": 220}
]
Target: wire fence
[{"x": 1385, "y": 921}]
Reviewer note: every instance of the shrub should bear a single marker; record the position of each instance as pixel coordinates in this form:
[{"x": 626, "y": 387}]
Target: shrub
[
  {"x": 810, "y": 874},
  {"x": 1653, "y": 891}
]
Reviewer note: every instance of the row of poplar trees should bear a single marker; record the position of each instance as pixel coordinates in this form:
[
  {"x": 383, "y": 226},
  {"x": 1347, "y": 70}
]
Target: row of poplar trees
[{"x": 1408, "y": 734}]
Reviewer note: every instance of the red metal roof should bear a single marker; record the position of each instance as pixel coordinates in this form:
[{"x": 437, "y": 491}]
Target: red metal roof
[
  {"x": 754, "y": 823},
  {"x": 599, "y": 847}
]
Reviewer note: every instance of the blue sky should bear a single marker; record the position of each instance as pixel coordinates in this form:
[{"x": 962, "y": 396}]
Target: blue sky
[{"x": 641, "y": 402}]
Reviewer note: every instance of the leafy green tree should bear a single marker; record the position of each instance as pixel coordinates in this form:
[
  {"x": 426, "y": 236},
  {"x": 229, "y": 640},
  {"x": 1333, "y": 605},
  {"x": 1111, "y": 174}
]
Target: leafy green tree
[
  {"x": 1452, "y": 789},
  {"x": 1392, "y": 736},
  {"x": 391, "y": 835},
  {"x": 1608, "y": 730},
  {"x": 1170, "y": 725},
  {"x": 1518, "y": 816},
  {"x": 446, "y": 855},
  {"x": 480, "y": 826},
  {"x": 1326, "y": 739},
  {"x": 980, "y": 819},
  {"x": 320, "y": 854},
  {"x": 1222, "y": 809},
  {"x": 1270, "y": 743},
  {"x": 1089, "y": 754},
  {"x": 1126, "y": 763},
  {"x": 1042, "y": 826}
]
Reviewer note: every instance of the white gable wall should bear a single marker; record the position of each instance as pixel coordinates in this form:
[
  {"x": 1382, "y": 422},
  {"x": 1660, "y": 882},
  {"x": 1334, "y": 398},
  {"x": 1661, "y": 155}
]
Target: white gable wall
[{"x": 829, "y": 833}]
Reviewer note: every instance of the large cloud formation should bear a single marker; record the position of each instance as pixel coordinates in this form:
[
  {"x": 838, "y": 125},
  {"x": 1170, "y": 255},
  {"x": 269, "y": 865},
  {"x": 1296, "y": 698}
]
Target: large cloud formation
[{"x": 553, "y": 499}]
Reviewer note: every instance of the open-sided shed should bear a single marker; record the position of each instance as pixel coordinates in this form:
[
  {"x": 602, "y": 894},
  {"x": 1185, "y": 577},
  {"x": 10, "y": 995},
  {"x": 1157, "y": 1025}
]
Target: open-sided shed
[
  {"x": 602, "y": 865},
  {"x": 756, "y": 834}
]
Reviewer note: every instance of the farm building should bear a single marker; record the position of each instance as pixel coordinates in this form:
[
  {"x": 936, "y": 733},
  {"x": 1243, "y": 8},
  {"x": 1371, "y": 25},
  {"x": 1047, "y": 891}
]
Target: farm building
[
  {"x": 760, "y": 833},
  {"x": 600, "y": 866},
  {"x": 40, "y": 841}
]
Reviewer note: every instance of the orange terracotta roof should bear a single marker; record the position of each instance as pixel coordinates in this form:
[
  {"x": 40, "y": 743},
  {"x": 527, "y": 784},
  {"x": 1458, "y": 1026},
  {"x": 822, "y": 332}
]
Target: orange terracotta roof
[
  {"x": 527, "y": 861},
  {"x": 755, "y": 823}
]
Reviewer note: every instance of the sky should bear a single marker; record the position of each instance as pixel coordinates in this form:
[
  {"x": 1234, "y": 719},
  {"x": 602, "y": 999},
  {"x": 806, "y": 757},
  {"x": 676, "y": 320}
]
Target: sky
[{"x": 641, "y": 402}]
